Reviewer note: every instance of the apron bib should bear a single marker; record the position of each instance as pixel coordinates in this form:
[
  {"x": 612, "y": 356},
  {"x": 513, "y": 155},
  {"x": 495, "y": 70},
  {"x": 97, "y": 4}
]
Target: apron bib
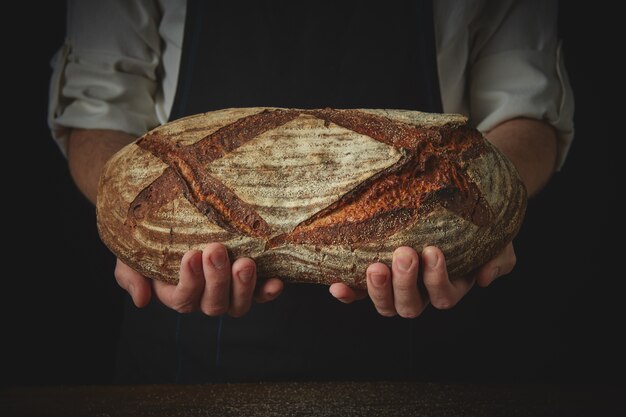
[{"x": 341, "y": 54}]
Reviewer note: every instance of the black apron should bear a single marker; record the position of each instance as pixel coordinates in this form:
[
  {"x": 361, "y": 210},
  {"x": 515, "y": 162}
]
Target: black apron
[{"x": 341, "y": 54}]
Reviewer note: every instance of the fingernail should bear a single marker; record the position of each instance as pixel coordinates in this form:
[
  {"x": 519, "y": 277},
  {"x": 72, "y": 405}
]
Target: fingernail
[
  {"x": 403, "y": 262},
  {"x": 379, "y": 280},
  {"x": 218, "y": 258},
  {"x": 245, "y": 275},
  {"x": 196, "y": 265}
]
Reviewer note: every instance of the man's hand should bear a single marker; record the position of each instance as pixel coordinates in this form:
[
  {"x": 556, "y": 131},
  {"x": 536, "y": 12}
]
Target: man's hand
[
  {"x": 531, "y": 146},
  {"x": 399, "y": 291},
  {"x": 208, "y": 282}
]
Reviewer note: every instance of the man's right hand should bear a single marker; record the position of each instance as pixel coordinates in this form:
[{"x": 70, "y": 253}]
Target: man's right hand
[{"x": 208, "y": 282}]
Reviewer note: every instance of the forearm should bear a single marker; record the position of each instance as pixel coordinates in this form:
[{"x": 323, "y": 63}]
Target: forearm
[
  {"x": 532, "y": 147},
  {"x": 88, "y": 151}
]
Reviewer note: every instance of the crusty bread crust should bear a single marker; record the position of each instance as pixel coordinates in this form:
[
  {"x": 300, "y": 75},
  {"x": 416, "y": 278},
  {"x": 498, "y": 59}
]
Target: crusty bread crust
[{"x": 311, "y": 195}]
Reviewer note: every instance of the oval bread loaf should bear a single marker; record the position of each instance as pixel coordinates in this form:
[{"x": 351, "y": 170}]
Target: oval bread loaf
[{"x": 311, "y": 195}]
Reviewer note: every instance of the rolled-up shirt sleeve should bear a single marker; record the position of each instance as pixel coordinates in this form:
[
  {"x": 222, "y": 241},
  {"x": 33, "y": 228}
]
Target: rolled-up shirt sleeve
[
  {"x": 516, "y": 70},
  {"x": 105, "y": 74}
]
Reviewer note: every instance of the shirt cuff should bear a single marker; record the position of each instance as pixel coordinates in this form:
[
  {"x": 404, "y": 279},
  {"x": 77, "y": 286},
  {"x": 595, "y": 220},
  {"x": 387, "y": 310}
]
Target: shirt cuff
[
  {"x": 523, "y": 83},
  {"x": 99, "y": 92}
]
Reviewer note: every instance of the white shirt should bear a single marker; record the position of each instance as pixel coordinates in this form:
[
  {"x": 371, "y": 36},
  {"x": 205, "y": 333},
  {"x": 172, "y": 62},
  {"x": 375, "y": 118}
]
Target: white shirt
[{"x": 118, "y": 68}]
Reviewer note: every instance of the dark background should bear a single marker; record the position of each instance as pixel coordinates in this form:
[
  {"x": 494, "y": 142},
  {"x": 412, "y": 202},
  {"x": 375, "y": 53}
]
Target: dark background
[{"x": 558, "y": 317}]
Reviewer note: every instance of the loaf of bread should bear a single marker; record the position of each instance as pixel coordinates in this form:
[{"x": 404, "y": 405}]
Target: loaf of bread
[{"x": 311, "y": 195}]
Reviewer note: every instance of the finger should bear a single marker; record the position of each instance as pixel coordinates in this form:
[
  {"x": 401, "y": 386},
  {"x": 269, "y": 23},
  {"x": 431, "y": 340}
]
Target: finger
[
  {"x": 242, "y": 286},
  {"x": 269, "y": 290},
  {"x": 134, "y": 283},
  {"x": 217, "y": 276},
  {"x": 184, "y": 297},
  {"x": 408, "y": 301},
  {"x": 379, "y": 289},
  {"x": 443, "y": 293},
  {"x": 345, "y": 294},
  {"x": 498, "y": 266}
]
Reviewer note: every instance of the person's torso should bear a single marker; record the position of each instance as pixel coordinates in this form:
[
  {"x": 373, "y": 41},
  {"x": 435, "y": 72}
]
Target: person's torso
[{"x": 272, "y": 53}]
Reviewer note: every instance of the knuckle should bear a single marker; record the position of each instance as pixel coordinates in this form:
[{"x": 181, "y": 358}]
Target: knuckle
[
  {"x": 212, "y": 311},
  {"x": 409, "y": 313},
  {"x": 386, "y": 312},
  {"x": 378, "y": 298},
  {"x": 443, "y": 303},
  {"x": 404, "y": 285},
  {"x": 218, "y": 281},
  {"x": 185, "y": 308},
  {"x": 435, "y": 283}
]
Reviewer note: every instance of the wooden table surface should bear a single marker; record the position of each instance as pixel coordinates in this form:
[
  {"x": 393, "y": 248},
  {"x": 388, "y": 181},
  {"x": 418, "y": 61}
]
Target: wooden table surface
[{"x": 317, "y": 399}]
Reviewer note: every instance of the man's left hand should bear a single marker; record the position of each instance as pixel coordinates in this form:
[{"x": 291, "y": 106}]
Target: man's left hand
[{"x": 397, "y": 291}]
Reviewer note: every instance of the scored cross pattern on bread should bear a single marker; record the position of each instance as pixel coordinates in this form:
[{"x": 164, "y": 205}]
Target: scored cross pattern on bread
[{"x": 312, "y": 195}]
